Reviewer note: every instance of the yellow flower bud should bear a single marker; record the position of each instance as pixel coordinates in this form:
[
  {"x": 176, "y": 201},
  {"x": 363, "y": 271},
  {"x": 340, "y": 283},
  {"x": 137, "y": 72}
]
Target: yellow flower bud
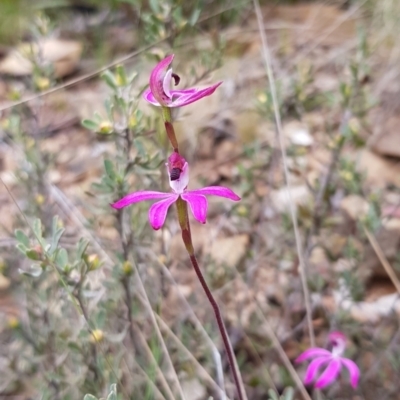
[
  {"x": 93, "y": 261},
  {"x": 105, "y": 127},
  {"x": 39, "y": 199},
  {"x": 242, "y": 210},
  {"x": 127, "y": 268},
  {"x": 13, "y": 322},
  {"x": 162, "y": 258},
  {"x": 97, "y": 336},
  {"x": 42, "y": 83}
]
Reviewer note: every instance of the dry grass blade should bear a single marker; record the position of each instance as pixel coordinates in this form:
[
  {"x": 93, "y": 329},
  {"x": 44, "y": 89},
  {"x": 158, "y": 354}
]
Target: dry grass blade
[
  {"x": 268, "y": 65},
  {"x": 381, "y": 256}
]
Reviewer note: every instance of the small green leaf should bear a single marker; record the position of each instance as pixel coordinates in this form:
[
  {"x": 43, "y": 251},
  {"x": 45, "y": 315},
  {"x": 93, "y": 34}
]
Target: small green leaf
[
  {"x": 32, "y": 255},
  {"x": 109, "y": 78},
  {"x": 82, "y": 246},
  {"x": 110, "y": 171},
  {"x": 37, "y": 229},
  {"x": 195, "y": 16},
  {"x": 21, "y": 247},
  {"x": 154, "y": 6},
  {"x": 289, "y": 393},
  {"x": 62, "y": 258},
  {"x": 22, "y": 238},
  {"x": 90, "y": 397},
  {"x": 121, "y": 75},
  {"x": 35, "y": 271},
  {"x": 90, "y": 124},
  {"x": 113, "y": 392}
]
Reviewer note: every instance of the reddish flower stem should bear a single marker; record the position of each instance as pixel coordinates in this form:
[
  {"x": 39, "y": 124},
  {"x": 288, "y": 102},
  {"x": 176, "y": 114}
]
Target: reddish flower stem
[
  {"x": 170, "y": 128},
  {"x": 187, "y": 240}
]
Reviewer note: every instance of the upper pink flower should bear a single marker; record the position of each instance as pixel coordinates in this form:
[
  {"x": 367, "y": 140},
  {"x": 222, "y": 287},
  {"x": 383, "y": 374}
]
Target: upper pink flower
[
  {"x": 333, "y": 361},
  {"x": 160, "y": 93},
  {"x": 178, "y": 171}
]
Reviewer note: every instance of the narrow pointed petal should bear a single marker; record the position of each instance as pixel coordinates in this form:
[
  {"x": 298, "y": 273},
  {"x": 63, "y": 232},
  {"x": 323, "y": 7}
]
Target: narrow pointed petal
[
  {"x": 313, "y": 352},
  {"x": 158, "y": 211},
  {"x": 148, "y": 96},
  {"x": 353, "y": 369},
  {"x": 136, "y": 197},
  {"x": 329, "y": 375},
  {"x": 198, "y": 204},
  {"x": 220, "y": 191},
  {"x": 313, "y": 368},
  {"x": 157, "y": 80},
  {"x": 185, "y": 100}
]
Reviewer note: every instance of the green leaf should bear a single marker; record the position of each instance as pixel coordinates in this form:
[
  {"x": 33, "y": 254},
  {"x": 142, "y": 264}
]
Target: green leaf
[
  {"x": 90, "y": 124},
  {"x": 110, "y": 171},
  {"x": 82, "y": 246},
  {"x": 37, "y": 229},
  {"x": 62, "y": 258},
  {"x": 109, "y": 78},
  {"x": 195, "y": 16},
  {"x": 21, "y": 247},
  {"x": 154, "y": 6},
  {"x": 121, "y": 75},
  {"x": 32, "y": 255},
  {"x": 35, "y": 271},
  {"x": 57, "y": 233},
  {"x": 90, "y": 397},
  {"x": 113, "y": 392},
  {"x": 289, "y": 393},
  {"x": 22, "y": 238},
  {"x": 272, "y": 395}
]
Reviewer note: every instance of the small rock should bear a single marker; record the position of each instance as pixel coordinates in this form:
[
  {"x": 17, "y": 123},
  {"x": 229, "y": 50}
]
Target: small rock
[
  {"x": 193, "y": 389},
  {"x": 354, "y": 206},
  {"x": 4, "y": 282},
  {"x": 298, "y": 134},
  {"x": 300, "y": 195},
  {"x": 230, "y": 251},
  {"x": 379, "y": 171},
  {"x": 64, "y": 55}
]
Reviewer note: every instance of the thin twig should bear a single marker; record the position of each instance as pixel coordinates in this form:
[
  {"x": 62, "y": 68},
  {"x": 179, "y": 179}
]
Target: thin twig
[
  {"x": 382, "y": 258},
  {"x": 267, "y": 61}
]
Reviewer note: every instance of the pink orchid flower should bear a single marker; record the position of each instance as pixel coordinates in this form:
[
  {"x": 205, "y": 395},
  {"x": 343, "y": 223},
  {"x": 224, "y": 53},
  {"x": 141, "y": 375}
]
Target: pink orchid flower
[
  {"x": 333, "y": 361},
  {"x": 160, "y": 93},
  {"x": 178, "y": 171}
]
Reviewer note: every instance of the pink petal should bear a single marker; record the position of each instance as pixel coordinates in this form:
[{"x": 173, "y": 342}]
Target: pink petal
[
  {"x": 313, "y": 352},
  {"x": 198, "y": 204},
  {"x": 329, "y": 375},
  {"x": 157, "y": 80},
  {"x": 136, "y": 197},
  {"x": 313, "y": 369},
  {"x": 353, "y": 369},
  {"x": 185, "y": 100},
  {"x": 158, "y": 211},
  {"x": 220, "y": 191},
  {"x": 148, "y": 96}
]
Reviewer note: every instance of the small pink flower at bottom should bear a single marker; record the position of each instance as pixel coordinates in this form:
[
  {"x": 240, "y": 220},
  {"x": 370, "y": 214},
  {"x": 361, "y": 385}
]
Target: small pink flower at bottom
[
  {"x": 333, "y": 361},
  {"x": 161, "y": 94},
  {"x": 178, "y": 171}
]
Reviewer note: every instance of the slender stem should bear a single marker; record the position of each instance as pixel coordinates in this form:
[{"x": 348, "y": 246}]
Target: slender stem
[
  {"x": 187, "y": 240},
  {"x": 166, "y": 112}
]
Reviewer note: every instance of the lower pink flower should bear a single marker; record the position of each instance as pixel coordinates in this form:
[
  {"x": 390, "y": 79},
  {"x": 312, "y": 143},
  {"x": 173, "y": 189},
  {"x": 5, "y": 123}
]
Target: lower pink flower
[
  {"x": 331, "y": 360},
  {"x": 178, "y": 171}
]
